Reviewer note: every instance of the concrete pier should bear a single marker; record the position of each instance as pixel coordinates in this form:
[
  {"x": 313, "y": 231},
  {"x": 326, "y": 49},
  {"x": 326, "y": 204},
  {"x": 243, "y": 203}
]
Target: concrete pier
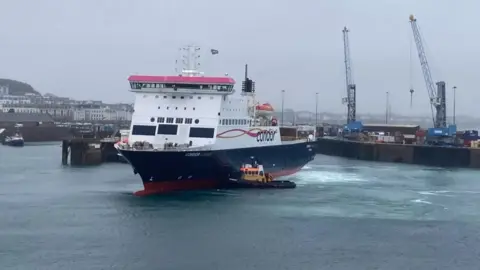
[
  {"x": 88, "y": 152},
  {"x": 461, "y": 157}
]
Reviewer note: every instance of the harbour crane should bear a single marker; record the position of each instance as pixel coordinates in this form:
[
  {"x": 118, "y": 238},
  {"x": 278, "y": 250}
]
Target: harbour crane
[
  {"x": 350, "y": 100},
  {"x": 437, "y": 96}
]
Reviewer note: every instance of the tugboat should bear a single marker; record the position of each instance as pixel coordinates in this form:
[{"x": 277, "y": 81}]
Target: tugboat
[
  {"x": 253, "y": 176},
  {"x": 15, "y": 140}
]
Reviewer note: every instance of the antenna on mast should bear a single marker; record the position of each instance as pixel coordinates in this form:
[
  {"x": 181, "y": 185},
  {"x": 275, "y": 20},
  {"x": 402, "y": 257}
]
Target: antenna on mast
[
  {"x": 190, "y": 60},
  {"x": 248, "y": 85}
]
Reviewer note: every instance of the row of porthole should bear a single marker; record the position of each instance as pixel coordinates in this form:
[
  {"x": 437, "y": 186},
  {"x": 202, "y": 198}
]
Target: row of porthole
[
  {"x": 170, "y": 120},
  {"x": 174, "y": 97},
  {"x": 176, "y": 108}
]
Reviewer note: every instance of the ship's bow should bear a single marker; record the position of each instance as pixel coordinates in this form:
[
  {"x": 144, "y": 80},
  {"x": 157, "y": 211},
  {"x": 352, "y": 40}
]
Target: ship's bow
[{"x": 166, "y": 171}]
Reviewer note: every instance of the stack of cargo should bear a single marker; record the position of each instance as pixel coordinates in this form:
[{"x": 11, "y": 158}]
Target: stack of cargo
[{"x": 469, "y": 138}]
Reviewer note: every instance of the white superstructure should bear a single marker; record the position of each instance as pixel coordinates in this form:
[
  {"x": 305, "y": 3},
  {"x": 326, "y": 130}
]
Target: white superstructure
[{"x": 192, "y": 110}]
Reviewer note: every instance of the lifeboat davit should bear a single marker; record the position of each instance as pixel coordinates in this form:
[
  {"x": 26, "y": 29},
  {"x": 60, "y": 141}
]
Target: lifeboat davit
[{"x": 264, "y": 109}]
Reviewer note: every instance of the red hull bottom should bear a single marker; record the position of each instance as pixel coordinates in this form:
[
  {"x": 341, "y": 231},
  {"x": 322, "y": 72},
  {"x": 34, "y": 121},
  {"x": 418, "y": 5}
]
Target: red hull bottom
[{"x": 151, "y": 188}]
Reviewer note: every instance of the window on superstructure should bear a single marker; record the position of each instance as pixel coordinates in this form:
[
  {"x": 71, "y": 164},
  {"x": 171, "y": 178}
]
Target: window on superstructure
[
  {"x": 188, "y": 120},
  {"x": 185, "y": 86},
  {"x": 179, "y": 121},
  {"x": 143, "y": 130},
  {"x": 196, "y": 132},
  {"x": 182, "y": 97},
  {"x": 169, "y": 120},
  {"x": 223, "y": 88},
  {"x": 224, "y": 122},
  {"x": 174, "y": 97},
  {"x": 167, "y": 129},
  {"x": 161, "y": 120},
  {"x": 199, "y": 97}
]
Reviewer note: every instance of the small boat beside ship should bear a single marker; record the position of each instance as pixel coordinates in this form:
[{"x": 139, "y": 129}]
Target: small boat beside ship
[
  {"x": 252, "y": 175},
  {"x": 15, "y": 140}
]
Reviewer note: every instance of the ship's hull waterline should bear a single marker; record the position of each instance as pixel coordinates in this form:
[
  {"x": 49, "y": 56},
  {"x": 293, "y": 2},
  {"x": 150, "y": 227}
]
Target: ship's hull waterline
[{"x": 167, "y": 171}]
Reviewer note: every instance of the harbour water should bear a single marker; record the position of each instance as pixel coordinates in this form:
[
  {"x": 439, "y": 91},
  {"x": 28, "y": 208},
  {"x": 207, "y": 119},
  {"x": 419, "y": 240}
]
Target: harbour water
[{"x": 344, "y": 214}]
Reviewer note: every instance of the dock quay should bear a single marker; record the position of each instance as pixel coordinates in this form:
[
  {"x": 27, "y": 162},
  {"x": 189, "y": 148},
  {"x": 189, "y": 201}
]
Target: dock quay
[
  {"x": 89, "y": 151},
  {"x": 429, "y": 155}
]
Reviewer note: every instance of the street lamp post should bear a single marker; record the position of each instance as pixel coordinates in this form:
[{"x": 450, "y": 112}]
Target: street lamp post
[
  {"x": 283, "y": 100},
  {"x": 386, "y": 109},
  {"x": 316, "y": 109},
  {"x": 454, "y": 102}
]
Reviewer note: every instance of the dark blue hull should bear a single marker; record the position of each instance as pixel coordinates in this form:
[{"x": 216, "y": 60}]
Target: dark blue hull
[{"x": 163, "y": 171}]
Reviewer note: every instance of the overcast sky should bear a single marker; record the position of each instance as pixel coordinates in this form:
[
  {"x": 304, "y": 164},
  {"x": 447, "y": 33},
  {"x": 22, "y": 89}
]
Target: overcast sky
[{"x": 86, "y": 49}]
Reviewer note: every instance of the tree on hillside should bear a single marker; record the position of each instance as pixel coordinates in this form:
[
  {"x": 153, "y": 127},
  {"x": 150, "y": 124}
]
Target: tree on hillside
[{"x": 17, "y": 88}]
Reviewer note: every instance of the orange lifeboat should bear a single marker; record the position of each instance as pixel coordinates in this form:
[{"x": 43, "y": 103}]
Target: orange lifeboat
[{"x": 264, "y": 109}]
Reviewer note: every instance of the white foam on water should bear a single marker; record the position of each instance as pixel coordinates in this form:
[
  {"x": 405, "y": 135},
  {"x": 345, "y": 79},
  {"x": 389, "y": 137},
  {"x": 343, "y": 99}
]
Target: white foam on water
[
  {"x": 420, "y": 201},
  {"x": 317, "y": 177},
  {"x": 435, "y": 193}
]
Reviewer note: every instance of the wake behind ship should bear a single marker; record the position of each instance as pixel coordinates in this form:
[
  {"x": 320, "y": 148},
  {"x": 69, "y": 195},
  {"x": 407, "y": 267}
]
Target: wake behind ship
[{"x": 191, "y": 132}]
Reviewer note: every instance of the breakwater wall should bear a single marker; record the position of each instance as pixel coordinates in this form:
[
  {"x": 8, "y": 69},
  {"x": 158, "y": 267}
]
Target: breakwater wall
[
  {"x": 400, "y": 153},
  {"x": 84, "y": 152}
]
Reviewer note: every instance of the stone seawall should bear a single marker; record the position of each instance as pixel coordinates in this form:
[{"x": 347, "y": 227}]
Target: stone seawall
[{"x": 411, "y": 154}]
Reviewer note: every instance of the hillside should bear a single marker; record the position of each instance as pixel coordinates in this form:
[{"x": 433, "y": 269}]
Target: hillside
[{"x": 18, "y": 88}]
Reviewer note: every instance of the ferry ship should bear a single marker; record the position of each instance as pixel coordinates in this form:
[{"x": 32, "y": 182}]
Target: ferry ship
[{"x": 191, "y": 131}]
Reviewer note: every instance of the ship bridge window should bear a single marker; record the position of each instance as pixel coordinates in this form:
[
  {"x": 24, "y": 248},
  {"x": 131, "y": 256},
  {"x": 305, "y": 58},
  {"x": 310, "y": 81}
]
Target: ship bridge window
[
  {"x": 196, "y": 132},
  {"x": 136, "y": 85},
  {"x": 167, "y": 129},
  {"x": 225, "y": 87},
  {"x": 170, "y": 120},
  {"x": 179, "y": 121},
  {"x": 143, "y": 130},
  {"x": 185, "y": 86}
]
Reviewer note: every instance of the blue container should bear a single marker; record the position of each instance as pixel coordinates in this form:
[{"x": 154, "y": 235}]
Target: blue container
[
  {"x": 470, "y": 135},
  {"x": 438, "y": 132}
]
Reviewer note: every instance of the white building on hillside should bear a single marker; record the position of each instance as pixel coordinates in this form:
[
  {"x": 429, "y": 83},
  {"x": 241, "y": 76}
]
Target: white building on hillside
[{"x": 99, "y": 113}]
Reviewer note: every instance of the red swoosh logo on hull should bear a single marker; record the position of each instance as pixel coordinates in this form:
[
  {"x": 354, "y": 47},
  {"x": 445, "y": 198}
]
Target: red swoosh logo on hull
[{"x": 242, "y": 132}]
